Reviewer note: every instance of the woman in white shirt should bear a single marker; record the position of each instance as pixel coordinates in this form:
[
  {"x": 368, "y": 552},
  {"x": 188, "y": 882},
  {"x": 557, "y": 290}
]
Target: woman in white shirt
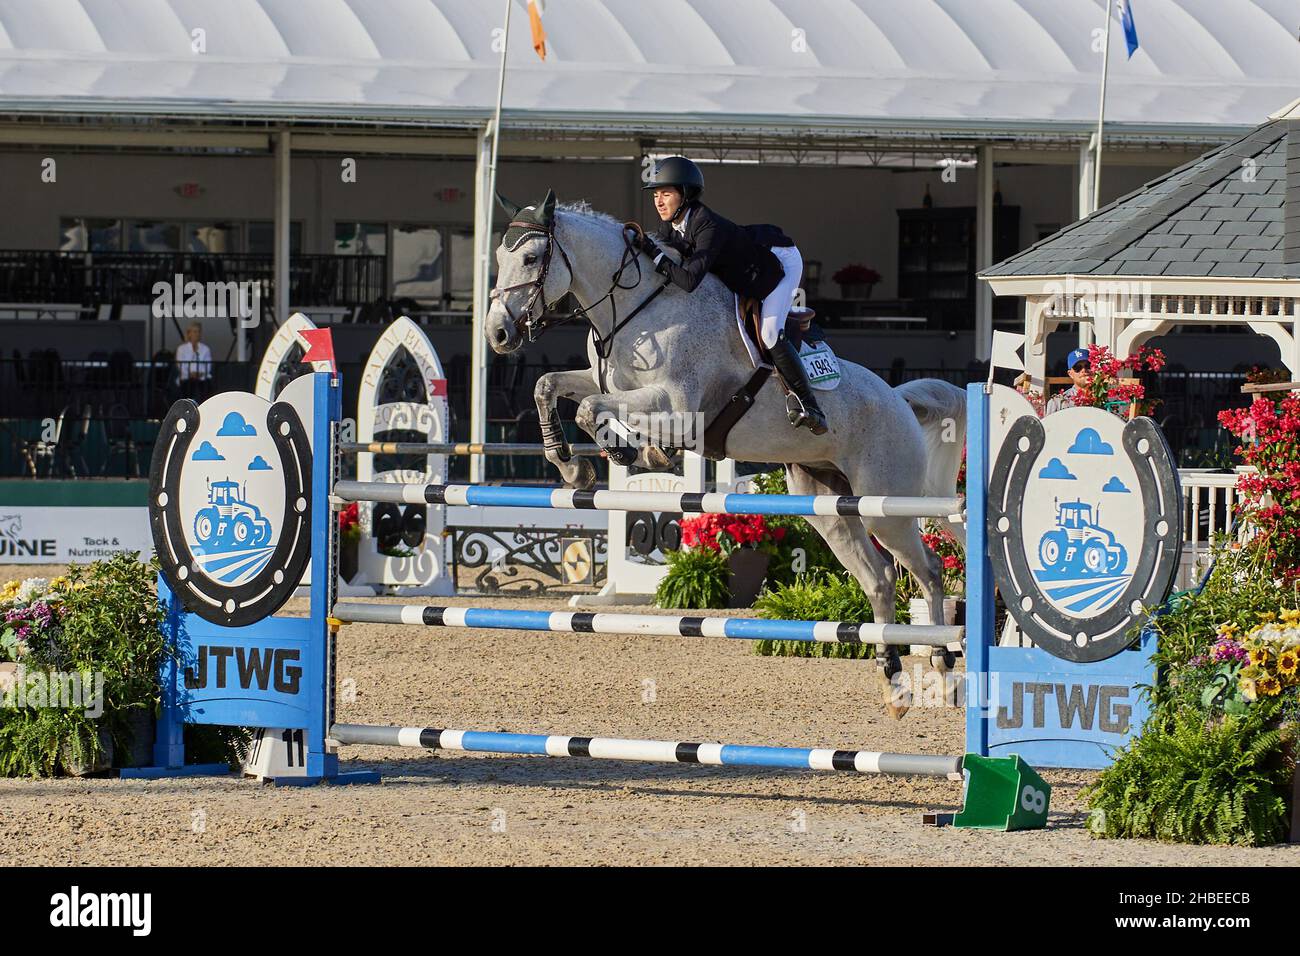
[{"x": 194, "y": 360}]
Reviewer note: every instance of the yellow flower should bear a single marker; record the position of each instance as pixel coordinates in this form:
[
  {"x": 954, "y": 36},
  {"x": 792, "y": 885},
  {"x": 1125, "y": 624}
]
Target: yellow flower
[
  {"x": 1291, "y": 616},
  {"x": 1267, "y": 616},
  {"x": 1258, "y": 656},
  {"x": 1269, "y": 686},
  {"x": 1288, "y": 662},
  {"x": 1248, "y": 687},
  {"x": 1228, "y": 630}
]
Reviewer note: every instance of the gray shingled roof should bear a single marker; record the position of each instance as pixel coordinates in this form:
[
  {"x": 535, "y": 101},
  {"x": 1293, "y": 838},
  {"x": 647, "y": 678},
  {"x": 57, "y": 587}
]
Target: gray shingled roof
[{"x": 1216, "y": 216}]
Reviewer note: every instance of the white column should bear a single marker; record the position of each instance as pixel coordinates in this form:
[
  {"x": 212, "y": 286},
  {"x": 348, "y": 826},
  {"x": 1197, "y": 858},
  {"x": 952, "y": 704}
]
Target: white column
[
  {"x": 1083, "y": 205},
  {"x": 983, "y": 252},
  {"x": 1037, "y": 328},
  {"x": 281, "y": 229},
  {"x": 478, "y": 365},
  {"x": 1086, "y": 205}
]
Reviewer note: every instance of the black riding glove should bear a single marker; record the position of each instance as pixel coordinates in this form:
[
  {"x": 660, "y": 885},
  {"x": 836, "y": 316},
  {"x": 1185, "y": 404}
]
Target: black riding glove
[{"x": 648, "y": 245}]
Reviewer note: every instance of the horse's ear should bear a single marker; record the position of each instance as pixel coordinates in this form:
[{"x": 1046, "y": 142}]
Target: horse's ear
[
  {"x": 511, "y": 208},
  {"x": 547, "y": 215}
]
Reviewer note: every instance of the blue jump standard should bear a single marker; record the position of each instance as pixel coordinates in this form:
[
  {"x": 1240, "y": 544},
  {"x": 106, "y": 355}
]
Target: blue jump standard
[
  {"x": 864, "y": 506},
  {"x": 653, "y": 751},
  {"x": 663, "y": 625}
]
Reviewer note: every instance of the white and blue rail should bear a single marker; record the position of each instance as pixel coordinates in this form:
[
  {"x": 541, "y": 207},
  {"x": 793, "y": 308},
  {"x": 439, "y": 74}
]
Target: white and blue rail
[{"x": 865, "y": 506}]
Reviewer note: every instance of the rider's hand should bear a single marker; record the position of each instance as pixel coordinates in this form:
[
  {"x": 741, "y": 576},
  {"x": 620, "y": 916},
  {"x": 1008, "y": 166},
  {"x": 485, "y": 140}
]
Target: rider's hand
[{"x": 648, "y": 245}]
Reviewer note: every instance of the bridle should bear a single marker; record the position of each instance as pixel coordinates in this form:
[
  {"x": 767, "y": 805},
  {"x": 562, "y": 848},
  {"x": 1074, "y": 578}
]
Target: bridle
[
  {"x": 533, "y": 326},
  {"x": 529, "y": 324}
]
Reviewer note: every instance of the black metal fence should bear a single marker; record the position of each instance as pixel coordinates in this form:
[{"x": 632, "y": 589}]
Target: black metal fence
[{"x": 128, "y": 278}]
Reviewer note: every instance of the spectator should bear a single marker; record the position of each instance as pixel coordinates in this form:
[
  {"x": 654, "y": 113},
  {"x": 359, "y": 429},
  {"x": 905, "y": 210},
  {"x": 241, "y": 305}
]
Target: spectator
[
  {"x": 1077, "y": 365},
  {"x": 194, "y": 362}
]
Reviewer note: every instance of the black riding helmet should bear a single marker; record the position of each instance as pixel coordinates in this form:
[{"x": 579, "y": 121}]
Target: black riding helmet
[{"x": 680, "y": 172}]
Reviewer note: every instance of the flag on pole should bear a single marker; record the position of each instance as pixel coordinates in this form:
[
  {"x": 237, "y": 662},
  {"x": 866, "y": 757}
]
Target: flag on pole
[
  {"x": 1130, "y": 28},
  {"x": 539, "y": 34},
  {"x": 320, "y": 348},
  {"x": 1006, "y": 352}
]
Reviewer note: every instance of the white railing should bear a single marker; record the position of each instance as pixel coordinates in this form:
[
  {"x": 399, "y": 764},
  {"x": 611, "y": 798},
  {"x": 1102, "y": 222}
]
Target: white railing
[{"x": 1210, "y": 502}]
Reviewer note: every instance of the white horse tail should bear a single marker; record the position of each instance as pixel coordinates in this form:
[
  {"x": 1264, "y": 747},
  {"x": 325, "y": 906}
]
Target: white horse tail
[{"x": 940, "y": 407}]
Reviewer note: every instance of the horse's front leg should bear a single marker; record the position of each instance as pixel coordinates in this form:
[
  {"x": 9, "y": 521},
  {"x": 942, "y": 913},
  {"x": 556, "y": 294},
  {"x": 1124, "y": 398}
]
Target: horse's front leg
[
  {"x": 624, "y": 423},
  {"x": 575, "y": 385}
]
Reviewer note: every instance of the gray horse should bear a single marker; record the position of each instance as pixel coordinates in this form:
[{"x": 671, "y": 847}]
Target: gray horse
[{"x": 679, "y": 357}]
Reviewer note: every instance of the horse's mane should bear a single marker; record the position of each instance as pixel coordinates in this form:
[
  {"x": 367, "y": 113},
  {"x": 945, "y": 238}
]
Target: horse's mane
[{"x": 580, "y": 207}]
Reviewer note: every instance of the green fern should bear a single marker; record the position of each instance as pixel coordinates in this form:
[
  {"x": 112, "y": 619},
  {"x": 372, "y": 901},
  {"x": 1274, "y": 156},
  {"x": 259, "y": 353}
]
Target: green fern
[
  {"x": 818, "y": 597},
  {"x": 696, "y": 578},
  {"x": 1189, "y": 780}
]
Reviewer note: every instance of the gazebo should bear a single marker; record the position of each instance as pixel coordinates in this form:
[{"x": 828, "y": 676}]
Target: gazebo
[{"x": 1214, "y": 242}]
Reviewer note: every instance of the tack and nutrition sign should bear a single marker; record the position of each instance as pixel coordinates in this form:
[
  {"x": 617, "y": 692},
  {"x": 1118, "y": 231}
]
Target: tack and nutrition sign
[{"x": 59, "y": 522}]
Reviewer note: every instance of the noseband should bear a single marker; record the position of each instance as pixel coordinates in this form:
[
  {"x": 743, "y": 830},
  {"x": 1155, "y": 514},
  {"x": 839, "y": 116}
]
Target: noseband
[{"x": 528, "y": 324}]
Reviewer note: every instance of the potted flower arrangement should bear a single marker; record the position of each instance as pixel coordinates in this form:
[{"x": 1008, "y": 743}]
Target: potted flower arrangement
[
  {"x": 856, "y": 281},
  {"x": 349, "y": 540},
  {"x": 1216, "y": 760},
  {"x": 737, "y": 546},
  {"x": 953, "y": 557},
  {"x": 1106, "y": 389},
  {"x": 1269, "y": 432},
  {"x": 83, "y": 652}
]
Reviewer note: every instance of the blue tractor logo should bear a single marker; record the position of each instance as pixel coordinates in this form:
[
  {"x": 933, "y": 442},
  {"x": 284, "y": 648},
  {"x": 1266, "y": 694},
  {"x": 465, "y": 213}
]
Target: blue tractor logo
[
  {"x": 229, "y": 522},
  {"x": 1079, "y": 545}
]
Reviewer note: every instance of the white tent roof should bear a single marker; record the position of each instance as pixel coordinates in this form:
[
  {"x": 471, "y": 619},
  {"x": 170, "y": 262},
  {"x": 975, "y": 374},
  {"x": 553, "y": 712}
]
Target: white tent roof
[{"x": 946, "y": 64}]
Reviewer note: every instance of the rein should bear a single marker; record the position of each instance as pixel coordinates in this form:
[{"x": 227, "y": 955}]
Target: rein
[{"x": 533, "y": 326}]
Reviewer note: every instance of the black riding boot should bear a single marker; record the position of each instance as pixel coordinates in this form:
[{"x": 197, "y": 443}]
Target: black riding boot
[{"x": 800, "y": 404}]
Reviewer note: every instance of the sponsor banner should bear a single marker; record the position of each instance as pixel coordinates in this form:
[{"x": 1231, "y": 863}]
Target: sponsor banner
[{"x": 40, "y": 534}]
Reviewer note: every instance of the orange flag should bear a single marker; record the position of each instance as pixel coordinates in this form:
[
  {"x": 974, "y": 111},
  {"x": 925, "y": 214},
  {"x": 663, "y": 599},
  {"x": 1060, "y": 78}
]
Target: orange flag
[{"x": 535, "y": 21}]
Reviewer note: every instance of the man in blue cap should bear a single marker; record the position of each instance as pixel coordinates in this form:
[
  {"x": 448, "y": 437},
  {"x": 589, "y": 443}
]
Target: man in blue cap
[{"x": 1076, "y": 363}]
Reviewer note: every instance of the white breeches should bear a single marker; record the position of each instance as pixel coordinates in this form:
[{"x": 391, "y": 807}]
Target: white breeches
[{"x": 776, "y": 307}]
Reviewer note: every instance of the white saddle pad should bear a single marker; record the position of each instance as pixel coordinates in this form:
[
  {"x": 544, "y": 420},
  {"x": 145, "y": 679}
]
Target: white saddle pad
[{"x": 819, "y": 362}]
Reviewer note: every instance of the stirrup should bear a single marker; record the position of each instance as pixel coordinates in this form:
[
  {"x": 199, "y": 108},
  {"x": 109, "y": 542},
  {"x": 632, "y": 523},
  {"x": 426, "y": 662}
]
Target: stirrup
[{"x": 800, "y": 416}]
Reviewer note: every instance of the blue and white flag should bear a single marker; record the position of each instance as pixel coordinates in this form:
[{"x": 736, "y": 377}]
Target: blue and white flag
[{"x": 1130, "y": 28}]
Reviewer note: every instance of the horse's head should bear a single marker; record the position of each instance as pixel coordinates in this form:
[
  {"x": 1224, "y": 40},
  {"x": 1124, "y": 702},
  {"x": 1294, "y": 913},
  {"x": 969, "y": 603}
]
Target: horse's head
[{"x": 529, "y": 275}]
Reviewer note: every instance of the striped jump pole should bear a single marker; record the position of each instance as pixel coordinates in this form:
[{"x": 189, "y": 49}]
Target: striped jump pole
[
  {"x": 866, "y": 506},
  {"x": 662, "y": 625},
  {"x": 456, "y": 448},
  {"x": 652, "y": 751}
]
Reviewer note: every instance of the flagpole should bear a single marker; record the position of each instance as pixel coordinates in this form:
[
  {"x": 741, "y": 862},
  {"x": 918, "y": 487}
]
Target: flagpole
[
  {"x": 496, "y": 122},
  {"x": 1101, "y": 110},
  {"x": 483, "y": 244}
]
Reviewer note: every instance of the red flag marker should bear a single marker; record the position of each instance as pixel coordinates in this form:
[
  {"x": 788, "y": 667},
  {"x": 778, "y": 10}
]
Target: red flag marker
[{"x": 320, "y": 347}]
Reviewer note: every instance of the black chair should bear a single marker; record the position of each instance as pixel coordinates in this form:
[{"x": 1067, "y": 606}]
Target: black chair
[{"x": 120, "y": 441}]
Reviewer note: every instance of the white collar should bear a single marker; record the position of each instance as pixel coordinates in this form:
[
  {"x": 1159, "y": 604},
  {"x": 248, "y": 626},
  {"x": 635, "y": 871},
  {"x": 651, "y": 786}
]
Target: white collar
[{"x": 686, "y": 218}]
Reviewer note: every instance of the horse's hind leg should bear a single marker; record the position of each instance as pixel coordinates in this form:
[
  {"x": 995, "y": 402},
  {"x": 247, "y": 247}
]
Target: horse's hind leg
[
  {"x": 902, "y": 538},
  {"x": 848, "y": 539}
]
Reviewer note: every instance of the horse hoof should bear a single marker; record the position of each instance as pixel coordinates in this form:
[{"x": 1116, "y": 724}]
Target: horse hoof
[
  {"x": 898, "y": 700},
  {"x": 656, "y": 459},
  {"x": 582, "y": 475}
]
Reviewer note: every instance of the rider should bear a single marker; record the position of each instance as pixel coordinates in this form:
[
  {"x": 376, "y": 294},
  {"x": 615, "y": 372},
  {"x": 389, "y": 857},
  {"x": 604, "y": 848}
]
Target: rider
[{"x": 756, "y": 261}]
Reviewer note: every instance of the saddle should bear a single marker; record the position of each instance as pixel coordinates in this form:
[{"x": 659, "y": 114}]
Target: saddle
[{"x": 799, "y": 328}]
